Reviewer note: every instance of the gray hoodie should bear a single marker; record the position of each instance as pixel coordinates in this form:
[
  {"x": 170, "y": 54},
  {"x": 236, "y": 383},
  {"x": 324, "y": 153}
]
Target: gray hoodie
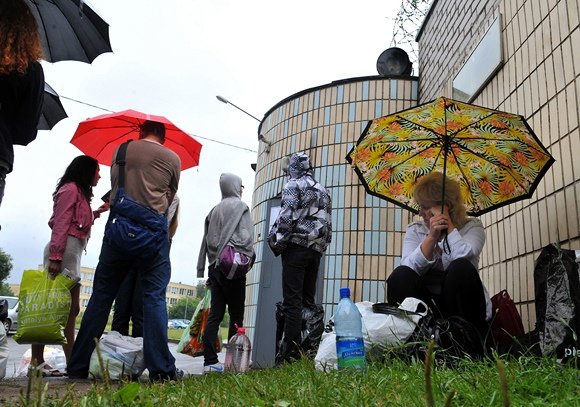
[{"x": 229, "y": 222}]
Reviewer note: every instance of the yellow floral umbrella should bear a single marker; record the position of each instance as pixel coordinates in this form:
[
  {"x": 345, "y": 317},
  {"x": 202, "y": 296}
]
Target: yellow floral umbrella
[{"x": 495, "y": 156}]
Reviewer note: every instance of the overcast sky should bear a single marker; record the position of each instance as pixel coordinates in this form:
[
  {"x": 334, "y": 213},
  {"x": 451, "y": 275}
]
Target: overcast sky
[{"x": 172, "y": 58}]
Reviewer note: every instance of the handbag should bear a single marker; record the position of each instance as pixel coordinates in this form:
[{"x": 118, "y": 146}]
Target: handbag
[
  {"x": 234, "y": 264},
  {"x": 506, "y": 322},
  {"x": 134, "y": 228}
]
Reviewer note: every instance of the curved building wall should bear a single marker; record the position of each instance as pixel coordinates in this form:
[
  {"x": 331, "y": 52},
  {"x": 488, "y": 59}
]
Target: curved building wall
[
  {"x": 539, "y": 79},
  {"x": 326, "y": 122}
]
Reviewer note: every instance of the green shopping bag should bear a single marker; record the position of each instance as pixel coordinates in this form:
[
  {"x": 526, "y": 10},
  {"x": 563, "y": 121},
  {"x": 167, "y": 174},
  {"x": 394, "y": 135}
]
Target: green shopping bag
[{"x": 43, "y": 308}]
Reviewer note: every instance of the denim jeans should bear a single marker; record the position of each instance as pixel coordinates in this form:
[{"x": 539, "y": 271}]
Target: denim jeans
[
  {"x": 223, "y": 292},
  {"x": 129, "y": 306},
  {"x": 299, "y": 274},
  {"x": 154, "y": 275}
]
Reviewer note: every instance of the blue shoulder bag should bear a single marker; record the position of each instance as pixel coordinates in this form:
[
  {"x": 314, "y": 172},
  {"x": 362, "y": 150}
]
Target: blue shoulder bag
[{"x": 134, "y": 228}]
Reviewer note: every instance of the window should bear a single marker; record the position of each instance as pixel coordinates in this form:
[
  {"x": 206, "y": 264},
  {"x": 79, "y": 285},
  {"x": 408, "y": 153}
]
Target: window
[{"x": 481, "y": 66}]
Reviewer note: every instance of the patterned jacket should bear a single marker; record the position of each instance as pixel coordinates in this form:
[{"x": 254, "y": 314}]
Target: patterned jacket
[{"x": 304, "y": 218}]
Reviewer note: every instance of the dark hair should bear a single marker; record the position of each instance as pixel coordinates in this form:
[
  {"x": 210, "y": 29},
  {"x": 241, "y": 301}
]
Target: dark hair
[
  {"x": 81, "y": 171},
  {"x": 152, "y": 127},
  {"x": 19, "y": 38}
]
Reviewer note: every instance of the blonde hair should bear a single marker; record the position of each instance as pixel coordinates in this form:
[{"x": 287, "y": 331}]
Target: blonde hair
[
  {"x": 429, "y": 189},
  {"x": 19, "y": 38}
]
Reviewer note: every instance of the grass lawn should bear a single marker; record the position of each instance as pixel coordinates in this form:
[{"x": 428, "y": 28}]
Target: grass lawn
[{"x": 528, "y": 382}]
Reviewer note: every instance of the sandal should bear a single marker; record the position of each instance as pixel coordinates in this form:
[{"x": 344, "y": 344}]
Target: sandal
[{"x": 44, "y": 370}]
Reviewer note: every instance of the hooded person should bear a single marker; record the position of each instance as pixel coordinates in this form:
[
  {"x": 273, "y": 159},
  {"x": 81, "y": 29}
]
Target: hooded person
[
  {"x": 301, "y": 234},
  {"x": 228, "y": 223}
]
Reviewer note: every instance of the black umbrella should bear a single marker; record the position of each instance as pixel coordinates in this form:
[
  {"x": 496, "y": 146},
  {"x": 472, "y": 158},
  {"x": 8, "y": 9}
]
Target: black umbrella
[
  {"x": 52, "y": 109},
  {"x": 70, "y": 30}
]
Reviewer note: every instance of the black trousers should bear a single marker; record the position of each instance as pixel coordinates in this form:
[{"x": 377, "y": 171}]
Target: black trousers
[
  {"x": 299, "y": 273},
  {"x": 455, "y": 291},
  {"x": 129, "y": 306},
  {"x": 223, "y": 292}
]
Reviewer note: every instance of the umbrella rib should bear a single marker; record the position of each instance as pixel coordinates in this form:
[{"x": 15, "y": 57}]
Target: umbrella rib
[{"x": 499, "y": 164}]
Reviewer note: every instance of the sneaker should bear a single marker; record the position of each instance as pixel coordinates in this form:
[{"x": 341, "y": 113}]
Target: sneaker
[
  {"x": 178, "y": 374},
  {"x": 215, "y": 368}
]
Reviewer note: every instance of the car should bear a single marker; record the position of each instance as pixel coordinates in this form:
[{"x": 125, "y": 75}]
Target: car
[
  {"x": 11, "y": 323},
  {"x": 176, "y": 324}
]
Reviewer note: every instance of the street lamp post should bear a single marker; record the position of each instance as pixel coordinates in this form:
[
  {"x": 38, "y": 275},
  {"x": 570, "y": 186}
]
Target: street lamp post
[
  {"x": 260, "y": 136},
  {"x": 224, "y": 100}
]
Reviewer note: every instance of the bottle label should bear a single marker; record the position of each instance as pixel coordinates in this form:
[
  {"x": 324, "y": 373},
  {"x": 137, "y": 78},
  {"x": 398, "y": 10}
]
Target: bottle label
[{"x": 350, "y": 352}]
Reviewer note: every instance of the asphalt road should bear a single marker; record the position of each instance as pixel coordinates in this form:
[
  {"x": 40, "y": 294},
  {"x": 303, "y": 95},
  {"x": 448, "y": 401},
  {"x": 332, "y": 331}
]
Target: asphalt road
[{"x": 191, "y": 366}]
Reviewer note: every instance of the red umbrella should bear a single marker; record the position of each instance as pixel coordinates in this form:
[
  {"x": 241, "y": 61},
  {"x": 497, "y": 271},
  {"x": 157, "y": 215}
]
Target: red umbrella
[{"x": 101, "y": 135}]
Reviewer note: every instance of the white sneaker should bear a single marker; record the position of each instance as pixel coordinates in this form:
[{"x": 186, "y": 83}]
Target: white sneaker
[{"x": 215, "y": 368}]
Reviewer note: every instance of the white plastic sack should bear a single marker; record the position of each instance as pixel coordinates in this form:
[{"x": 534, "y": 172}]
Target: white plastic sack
[
  {"x": 379, "y": 330},
  {"x": 326, "y": 358},
  {"x": 53, "y": 356},
  {"x": 122, "y": 357},
  {"x": 390, "y": 329}
]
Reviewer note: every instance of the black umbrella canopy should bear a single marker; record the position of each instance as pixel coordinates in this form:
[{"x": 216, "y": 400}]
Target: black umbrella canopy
[
  {"x": 52, "y": 109},
  {"x": 70, "y": 30}
]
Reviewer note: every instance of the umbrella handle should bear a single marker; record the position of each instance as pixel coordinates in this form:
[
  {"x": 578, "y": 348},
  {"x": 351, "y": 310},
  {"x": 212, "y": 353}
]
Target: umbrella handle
[{"x": 446, "y": 247}]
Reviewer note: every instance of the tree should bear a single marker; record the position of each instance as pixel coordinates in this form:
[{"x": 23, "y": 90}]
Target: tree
[
  {"x": 407, "y": 23},
  {"x": 183, "y": 308},
  {"x": 5, "y": 265},
  {"x": 5, "y": 290},
  {"x": 200, "y": 289}
]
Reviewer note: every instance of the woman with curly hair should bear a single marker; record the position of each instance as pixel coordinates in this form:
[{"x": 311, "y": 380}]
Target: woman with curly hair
[
  {"x": 21, "y": 81},
  {"x": 441, "y": 255},
  {"x": 71, "y": 223}
]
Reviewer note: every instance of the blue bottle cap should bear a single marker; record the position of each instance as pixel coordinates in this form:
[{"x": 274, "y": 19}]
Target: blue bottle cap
[{"x": 344, "y": 292}]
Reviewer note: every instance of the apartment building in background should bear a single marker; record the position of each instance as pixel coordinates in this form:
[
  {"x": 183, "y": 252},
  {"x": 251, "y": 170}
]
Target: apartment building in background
[{"x": 174, "y": 292}]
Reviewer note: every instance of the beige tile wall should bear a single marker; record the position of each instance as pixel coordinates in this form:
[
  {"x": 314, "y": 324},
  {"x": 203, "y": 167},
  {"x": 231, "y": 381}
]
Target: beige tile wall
[
  {"x": 360, "y": 221},
  {"x": 539, "y": 80}
]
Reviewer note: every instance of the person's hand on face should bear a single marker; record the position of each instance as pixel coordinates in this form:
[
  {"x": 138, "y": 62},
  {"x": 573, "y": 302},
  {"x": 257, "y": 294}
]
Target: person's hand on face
[{"x": 438, "y": 222}]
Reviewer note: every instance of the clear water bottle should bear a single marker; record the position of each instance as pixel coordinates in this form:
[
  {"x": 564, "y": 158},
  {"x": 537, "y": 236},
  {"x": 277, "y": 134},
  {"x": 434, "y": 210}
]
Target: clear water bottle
[
  {"x": 350, "y": 347},
  {"x": 238, "y": 352}
]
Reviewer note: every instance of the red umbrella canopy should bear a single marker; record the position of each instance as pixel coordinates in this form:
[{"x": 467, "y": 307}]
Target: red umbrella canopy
[{"x": 101, "y": 135}]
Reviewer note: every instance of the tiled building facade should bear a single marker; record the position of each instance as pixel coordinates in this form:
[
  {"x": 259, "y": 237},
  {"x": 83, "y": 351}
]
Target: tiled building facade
[
  {"x": 325, "y": 122},
  {"x": 538, "y": 77}
]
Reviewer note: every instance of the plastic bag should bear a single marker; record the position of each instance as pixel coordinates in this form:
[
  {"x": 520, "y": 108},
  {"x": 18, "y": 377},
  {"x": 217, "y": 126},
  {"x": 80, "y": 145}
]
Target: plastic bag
[
  {"x": 44, "y": 307},
  {"x": 310, "y": 332},
  {"x": 391, "y": 325},
  {"x": 4, "y": 351},
  {"x": 191, "y": 342},
  {"x": 326, "y": 358},
  {"x": 52, "y": 355},
  {"x": 557, "y": 289},
  {"x": 122, "y": 357}
]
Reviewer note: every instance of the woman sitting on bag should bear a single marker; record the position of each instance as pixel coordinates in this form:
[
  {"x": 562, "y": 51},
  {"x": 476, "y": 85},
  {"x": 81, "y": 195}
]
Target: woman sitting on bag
[
  {"x": 441, "y": 256},
  {"x": 71, "y": 223}
]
